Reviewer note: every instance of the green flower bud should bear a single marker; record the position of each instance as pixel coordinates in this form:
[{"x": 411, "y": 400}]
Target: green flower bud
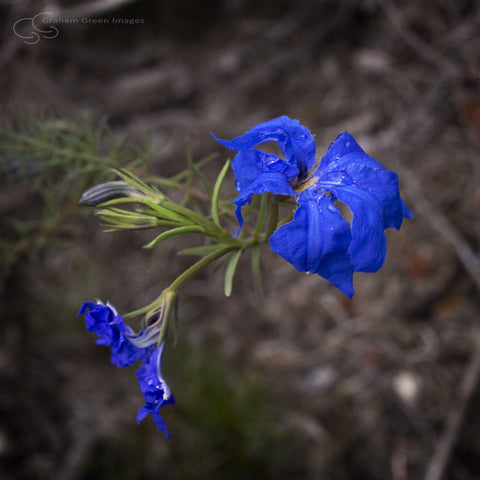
[{"x": 107, "y": 191}]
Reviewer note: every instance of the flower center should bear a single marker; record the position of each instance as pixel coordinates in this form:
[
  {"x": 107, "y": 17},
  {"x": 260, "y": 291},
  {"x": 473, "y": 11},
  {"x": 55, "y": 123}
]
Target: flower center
[{"x": 306, "y": 184}]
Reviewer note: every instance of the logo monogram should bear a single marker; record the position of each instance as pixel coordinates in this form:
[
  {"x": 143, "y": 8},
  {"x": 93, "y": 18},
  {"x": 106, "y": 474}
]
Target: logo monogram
[{"x": 36, "y": 32}]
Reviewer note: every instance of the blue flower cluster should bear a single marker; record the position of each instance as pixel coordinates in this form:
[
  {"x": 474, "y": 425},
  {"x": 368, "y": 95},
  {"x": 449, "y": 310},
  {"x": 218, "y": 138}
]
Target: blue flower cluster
[
  {"x": 318, "y": 239},
  {"x": 105, "y": 321}
]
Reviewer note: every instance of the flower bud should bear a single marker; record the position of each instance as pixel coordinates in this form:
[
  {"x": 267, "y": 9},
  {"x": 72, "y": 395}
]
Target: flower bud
[{"x": 107, "y": 191}]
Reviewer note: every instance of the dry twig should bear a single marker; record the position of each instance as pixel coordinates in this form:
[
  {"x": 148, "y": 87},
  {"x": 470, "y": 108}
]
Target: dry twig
[
  {"x": 423, "y": 49},
  {"x": 441, "y": 224}
]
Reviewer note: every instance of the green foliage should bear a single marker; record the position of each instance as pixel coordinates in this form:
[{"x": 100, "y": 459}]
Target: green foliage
[
  {"x": 56, "y": 160},
  {"x": 53, "y": 161},
  {"x": 62, "y": 153},
  {"x": 133, "y": 203}
]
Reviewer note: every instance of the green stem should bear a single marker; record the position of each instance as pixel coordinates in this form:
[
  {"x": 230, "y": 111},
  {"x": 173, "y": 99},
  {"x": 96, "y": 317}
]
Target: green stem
[
  {"x": 272, "y": 219},
  {"x": 201, "y": 264},
  {"x": 264, "y": 207},
  {"x": 184, "y": 277}
]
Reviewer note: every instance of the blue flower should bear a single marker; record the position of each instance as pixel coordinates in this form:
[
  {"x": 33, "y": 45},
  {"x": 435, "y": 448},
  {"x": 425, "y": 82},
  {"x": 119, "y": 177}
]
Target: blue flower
[
  {"x": 257, "y": 171},
  {"x": 318, "y": 239},
  {"x": 155, "y": 389},
  {"x": 105, "y": 321}
]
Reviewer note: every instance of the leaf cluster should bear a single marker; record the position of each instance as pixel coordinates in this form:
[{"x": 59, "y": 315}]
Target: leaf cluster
[{"x": 51, "y": 161}]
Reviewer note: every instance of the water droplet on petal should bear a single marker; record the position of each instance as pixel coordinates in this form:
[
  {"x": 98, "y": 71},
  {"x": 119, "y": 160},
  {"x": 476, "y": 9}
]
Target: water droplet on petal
[
  {"x": 150, "y": 382},
  {"x": 238, "y": 186},
  {"x": 332, "y": 208},
  {"x": 347, "y": 144}
]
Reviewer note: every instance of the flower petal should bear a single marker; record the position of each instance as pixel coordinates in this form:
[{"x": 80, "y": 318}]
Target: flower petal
[
  {"x": 317, "y": 240},
  {"x": 343, "y": 151},
  {"x": 154, "y": 388},
  {"x": 371, "y": 193},
  {"x": 259, "y": 172},
  {"x": 294, "y": 140},
  {"x": 112, "y": 332}
]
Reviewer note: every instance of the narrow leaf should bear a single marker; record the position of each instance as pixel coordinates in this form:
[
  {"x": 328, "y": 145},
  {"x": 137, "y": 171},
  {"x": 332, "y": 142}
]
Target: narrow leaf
[
  {"x": 200, "y": 251},
  {"x": 173, "y": 232},
  {"x": 230, "y": 272},
  {"x": 216, "y": 193},
  {"x": 167, "y": 213},
  {"x": 175, "y": 321}
]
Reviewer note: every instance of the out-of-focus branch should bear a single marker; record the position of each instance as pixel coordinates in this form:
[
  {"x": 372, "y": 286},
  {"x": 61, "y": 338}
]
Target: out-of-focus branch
[
  {"x": 88, "y": 9},
  {"x": 440, "y": 223},
  {"x": 421, "y": 47}
]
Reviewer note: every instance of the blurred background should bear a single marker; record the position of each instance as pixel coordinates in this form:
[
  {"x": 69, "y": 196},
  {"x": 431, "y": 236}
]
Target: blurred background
[{"x": 304, "y": 383}]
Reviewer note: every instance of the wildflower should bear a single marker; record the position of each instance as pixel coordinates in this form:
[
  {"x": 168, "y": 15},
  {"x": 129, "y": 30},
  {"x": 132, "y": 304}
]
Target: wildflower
[
  {"x": 318, "y": 239},
  {"x": 105, "y": 321},
  {"x": 155, "y": 389},
  {"x": 258, "y": 172}
]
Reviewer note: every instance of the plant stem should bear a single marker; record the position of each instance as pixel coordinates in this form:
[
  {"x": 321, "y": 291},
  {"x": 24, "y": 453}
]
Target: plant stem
[{"x": 202, "y": 263}]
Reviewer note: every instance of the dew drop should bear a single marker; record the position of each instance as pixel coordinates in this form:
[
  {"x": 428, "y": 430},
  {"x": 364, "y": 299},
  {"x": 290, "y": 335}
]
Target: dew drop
[
  {"x": 275, "y": 165},
  {"x": 332, "y": 208},
  {"x": 150, "y": 382},
  {"x": 238, "y": 186},
  {"x": 347, "y": 144}
]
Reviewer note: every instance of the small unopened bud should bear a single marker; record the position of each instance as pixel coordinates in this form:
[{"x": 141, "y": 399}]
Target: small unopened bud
[{"x": 107, "y": 191}]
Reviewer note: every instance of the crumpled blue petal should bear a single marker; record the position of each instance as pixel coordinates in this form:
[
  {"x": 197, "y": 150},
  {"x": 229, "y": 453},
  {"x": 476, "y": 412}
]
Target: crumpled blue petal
[
  {"x": 317, "y": 241},
  {"x": 294, "y": 140},
  {"x": 155, "y": 389},
  {"x": 259, "y": 172},
  {"x": 105, "y": 321},
  {"x": 370, "y": 191}
]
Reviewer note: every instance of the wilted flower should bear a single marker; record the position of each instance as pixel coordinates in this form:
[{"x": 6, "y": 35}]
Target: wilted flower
[
  {"x": 129, "y": 347},
  {"x": 318, "y": 239},
  {"x": 105, "y": 321},
  {"x": 155, "y": 389}
]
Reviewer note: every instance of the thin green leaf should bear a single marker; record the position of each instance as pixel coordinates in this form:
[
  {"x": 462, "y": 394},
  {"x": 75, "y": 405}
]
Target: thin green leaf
[
  {"x": 216, "y": 193},
  {"x": 230, "y": 272},
  {"x": 196, "y": 170},
  {"x": 257, "y": 275},
  {"x": 175, "y": 321},
  {"x": 167, "y": 213},
  {"x": 173, "y": 232},
  {"x": 184, "y": 173},
  {"x": 200, "y": 251},
  {"x": 133, "y": 180},
  {"x": 264, "y": 204}
]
